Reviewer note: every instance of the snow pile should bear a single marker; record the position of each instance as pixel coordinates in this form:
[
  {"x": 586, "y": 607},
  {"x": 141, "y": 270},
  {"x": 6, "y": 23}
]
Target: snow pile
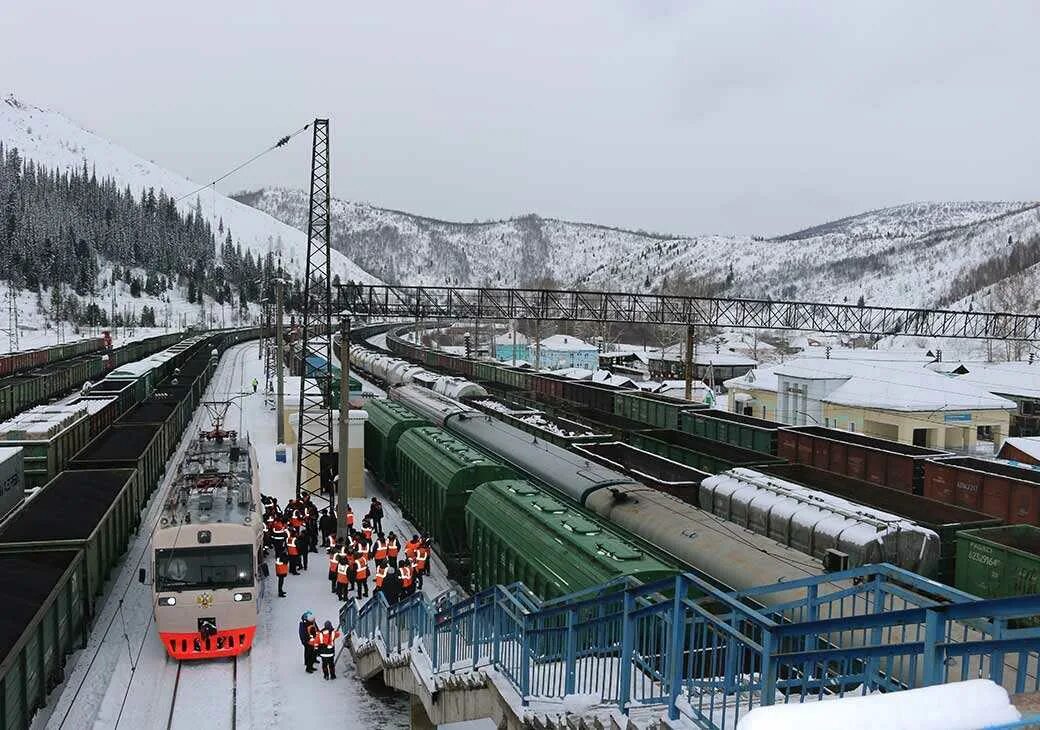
[
  {"x": 539, "y": 421},
  {"x": 969, "y": 705},
  {"x": 494, "y": 405}
]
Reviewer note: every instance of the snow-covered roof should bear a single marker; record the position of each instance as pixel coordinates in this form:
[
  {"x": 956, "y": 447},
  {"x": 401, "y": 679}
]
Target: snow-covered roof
[
  {"x": 679, "y": 385},
  {"x": 891, "y": 386},
  {"x": 1026, "y": 444},
  {"x": 566, "y": 343},
  {"x": 760, "y": 378},
  {"x": 1008, "y": 378},
  {"x": 574, "y": 373}
]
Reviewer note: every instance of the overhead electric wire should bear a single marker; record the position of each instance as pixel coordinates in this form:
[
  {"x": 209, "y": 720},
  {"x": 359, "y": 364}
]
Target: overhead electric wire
[{"x": 282, "y": 141}]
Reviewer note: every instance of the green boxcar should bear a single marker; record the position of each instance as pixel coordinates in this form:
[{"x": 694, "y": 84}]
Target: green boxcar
[
  {"x": 735, "y": 429},
  {"x": 700, "y": 453},
  {"x": 127, "y": 447},
  {"x": 102, "y": 502},
  {"x": 658, "y": 411},
  {"x": 518, "y": 532},
  {"x": 387, "y": 422},
  {"x": 45, "y": 456},
  {"x": 46, "y": 623},
  {"x": 437, "y": 473},
  {"x": 999, "y": 561}
]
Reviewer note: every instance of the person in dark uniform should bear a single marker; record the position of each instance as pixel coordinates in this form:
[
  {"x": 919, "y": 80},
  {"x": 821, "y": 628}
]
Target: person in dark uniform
[
  {"x": 375, "y": 513},
  {"x": 308, "y": 630}
]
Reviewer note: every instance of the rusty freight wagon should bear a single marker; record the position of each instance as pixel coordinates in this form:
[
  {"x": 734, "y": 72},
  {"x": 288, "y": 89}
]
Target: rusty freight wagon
[{"x": 889, "y": 463}]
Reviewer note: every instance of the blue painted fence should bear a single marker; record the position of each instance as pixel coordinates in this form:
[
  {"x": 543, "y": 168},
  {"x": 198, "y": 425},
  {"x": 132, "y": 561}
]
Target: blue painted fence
[{"x": 709, "y": 655}]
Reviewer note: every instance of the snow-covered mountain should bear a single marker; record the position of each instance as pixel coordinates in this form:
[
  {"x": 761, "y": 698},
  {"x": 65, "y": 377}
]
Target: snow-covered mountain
[
  {"x": 52, "y": 140},
  {"x": 922, "y": 254}
]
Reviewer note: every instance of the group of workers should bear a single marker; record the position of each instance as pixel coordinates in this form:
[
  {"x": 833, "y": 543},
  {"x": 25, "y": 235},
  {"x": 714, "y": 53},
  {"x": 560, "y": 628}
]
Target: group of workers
[
  {"x": 396, "y": 566},
  {"x": 291, "y": 534}
]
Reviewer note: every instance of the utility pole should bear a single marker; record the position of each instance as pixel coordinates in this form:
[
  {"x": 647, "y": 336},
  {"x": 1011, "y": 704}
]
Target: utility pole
[
  {"x": 279, "y": 363},
  {"x": 314, "y": 431},
  {"x": 538, "y": 345},
  {"x": 689, "y": 361},
  {"x": 343, "y": 486}
]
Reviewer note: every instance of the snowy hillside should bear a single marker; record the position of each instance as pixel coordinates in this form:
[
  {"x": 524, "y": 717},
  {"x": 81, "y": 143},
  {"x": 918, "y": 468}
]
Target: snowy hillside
[
  {"x": 917, "y": 254},
  {"x": 52, "y": 140}
]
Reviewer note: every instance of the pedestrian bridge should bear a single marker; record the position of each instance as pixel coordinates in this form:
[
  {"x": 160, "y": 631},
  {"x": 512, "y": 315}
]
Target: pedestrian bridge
[{"x": 683, "y": 653}]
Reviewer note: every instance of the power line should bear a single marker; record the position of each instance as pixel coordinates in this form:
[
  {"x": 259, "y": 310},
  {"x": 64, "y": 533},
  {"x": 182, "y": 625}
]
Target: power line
[{"x": 282, "y": 141}]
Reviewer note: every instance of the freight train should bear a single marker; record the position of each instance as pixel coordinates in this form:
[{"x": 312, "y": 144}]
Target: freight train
[{"x": 60, "y": 546}]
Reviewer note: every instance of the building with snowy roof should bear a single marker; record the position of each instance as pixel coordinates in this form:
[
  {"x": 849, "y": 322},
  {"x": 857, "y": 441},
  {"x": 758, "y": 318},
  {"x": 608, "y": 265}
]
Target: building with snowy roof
[
  {"x": 1023, "y": 449},
  {"x": 1016, "y": 381},
  {"x": 556, "y": 352},
  {"x": 897, "y": 401}
]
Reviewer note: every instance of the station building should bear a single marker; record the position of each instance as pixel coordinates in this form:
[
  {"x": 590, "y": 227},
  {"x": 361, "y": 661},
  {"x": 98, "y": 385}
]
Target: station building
[{"x": 896, "y": 401}]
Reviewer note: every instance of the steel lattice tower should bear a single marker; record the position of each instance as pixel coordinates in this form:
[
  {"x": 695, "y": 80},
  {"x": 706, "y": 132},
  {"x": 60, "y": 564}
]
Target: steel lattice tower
[{"x": 314, "y": 431}]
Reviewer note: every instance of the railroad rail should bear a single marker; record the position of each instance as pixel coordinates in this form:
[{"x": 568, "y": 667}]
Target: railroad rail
[
  {"x": 436, "y": 302},
  {"x": 206, "y": 691}
]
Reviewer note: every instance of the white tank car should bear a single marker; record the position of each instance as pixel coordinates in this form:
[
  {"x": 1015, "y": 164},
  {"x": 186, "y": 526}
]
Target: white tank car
[
  {"x": 458, "y": 388},
  {"x": 205, "y": 552},
  {"x": 814, "y": 522}
]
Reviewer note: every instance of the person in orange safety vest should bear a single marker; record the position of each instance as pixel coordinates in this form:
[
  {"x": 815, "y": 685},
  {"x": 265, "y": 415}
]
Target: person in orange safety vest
[
  {"x": 349, "y": 518},
  {"x": 294, "y": 553},
  {"x": 379, "y": 548},
  {"x": 281, "y": 569},
  {"x": 325, "y": 643},
  {"x": 405, "y": 571},
  {"x": 393, "y": 547},
  {"x": 411, "y": 546},
  {"x": 343, "y": 575},
  {"x": 361, "y": 575},
  {"x": 380, "y": 575}
]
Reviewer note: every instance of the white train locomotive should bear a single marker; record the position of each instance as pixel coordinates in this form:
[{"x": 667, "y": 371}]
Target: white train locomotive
[{"x": 205, "y": 567}]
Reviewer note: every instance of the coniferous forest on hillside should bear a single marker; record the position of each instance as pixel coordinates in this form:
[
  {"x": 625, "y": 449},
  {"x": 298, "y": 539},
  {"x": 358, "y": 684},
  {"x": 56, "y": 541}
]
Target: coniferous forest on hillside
[{"x": 60, "y": 227}]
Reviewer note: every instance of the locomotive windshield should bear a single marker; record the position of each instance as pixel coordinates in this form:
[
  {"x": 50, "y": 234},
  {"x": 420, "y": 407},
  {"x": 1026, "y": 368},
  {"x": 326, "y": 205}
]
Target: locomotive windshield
[{"x": 185, "y": 569}]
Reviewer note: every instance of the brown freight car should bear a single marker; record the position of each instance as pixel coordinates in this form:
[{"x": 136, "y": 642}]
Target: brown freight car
[
  {"x": 1008, "y": 492},
  {"x": 889, "y": 463}
]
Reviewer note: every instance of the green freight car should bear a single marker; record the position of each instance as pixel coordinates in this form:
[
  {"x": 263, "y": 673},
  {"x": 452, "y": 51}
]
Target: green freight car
[
  {"x": 657, "y": 411},
  {"x": 125, "y": 446},
  {"x": 46, "y": 623},
  {"x": 747, "y": 432},
  {"x": 92, "y": 511},
  {"x": 700, "y": 453},
  {"x": 518, "y": 532},
  {"x": 49, "y": 436},
  {"x": 387, "y": 422},
  {"x": 437, "y": 474},
  {"x": 995, "y": 562}
]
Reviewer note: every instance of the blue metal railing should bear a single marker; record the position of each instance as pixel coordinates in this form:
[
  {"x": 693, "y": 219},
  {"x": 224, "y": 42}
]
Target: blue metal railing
[{"x": 709, "y": 655}]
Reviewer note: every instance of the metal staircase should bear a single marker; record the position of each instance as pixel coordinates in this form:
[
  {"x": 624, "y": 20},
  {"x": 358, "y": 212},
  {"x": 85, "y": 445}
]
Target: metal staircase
[{"x": 683, "y": 650}]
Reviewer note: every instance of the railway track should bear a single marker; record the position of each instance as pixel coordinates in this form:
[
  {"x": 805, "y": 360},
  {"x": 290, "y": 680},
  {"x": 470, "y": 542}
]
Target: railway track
[
  {"x": 200, "y": 689},
  {"x": 142, "y": 695}
]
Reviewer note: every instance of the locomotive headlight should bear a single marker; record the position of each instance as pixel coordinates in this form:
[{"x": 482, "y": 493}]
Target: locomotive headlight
[
  {"x": 167, "y": 600},
  {"x": 240, "y": 597}
]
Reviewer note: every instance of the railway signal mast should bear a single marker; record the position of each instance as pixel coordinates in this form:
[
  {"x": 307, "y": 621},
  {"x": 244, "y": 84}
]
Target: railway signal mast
[{"x": 314, "y": 431}]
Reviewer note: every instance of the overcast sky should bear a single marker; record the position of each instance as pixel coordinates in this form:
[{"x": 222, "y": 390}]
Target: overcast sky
[{"x": 684, "y": 117}]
